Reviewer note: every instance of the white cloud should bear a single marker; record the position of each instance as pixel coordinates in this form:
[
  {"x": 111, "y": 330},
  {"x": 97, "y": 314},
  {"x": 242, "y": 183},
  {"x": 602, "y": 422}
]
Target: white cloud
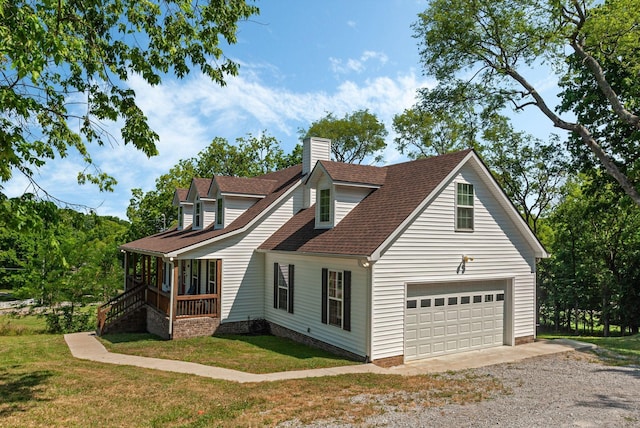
[{"x": 357, "y": 65}]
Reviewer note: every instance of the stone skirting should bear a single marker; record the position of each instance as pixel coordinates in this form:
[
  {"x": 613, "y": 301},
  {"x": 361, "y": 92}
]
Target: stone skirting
[
  {"x": 278, "y": 330},
  {"x": 157, "y": 323},
  {"x": 389, "y": 361},
  {"x": 194, "y": 327},
  {"x": 524, "y": 339}
]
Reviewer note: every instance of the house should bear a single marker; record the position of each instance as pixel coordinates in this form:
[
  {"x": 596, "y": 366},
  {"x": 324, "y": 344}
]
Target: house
[{"x": 385, "y": 264}]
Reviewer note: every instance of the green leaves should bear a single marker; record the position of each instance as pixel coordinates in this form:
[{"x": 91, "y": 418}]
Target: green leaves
[
  {"x": 354, "y": 137},
  {"x": 68, "y": 62}
]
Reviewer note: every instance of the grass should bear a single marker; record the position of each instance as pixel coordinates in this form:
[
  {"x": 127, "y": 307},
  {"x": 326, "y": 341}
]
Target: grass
[
  {"x": 621, "y": 350},
  {"x": 253, "y": 354},
  {"x": 42, "y": 385},
  {"x": 18, "y": 325}
]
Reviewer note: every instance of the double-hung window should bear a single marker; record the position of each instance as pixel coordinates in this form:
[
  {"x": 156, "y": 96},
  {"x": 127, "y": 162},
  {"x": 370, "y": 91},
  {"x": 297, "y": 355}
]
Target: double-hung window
[
  {"x": 197, "y": 214},
  {"x": 336, "y": 298},
  {"x": 283, "y": 287},
  {"x": 325, "y": 206},
  {"x": 464, "y": 207},
  {"x": 180, "y": 217},
  {"x": 220, "y": 212}
]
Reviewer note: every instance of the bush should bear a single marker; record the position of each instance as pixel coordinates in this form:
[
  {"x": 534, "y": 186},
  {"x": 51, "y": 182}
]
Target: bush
[{"x": 68, "y": 319}]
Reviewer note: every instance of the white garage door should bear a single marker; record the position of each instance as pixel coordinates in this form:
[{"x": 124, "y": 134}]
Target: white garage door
[{"x": 439, "y": 322}]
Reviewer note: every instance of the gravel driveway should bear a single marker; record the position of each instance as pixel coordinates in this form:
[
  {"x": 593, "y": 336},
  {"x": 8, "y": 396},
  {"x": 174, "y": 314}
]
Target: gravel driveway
[{"x": 563, "y": 390}]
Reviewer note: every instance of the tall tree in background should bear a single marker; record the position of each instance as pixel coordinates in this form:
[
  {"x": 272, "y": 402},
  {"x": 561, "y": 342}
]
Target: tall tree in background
[
  {"x": 354, "y": 138},
  {"x": 250, "y": 156},
  {"x": 496, "y": 42},
  {"x": 64, "y": 68}
]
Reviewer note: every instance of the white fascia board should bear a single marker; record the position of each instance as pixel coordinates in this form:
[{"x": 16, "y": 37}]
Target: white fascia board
[
  {"x": 176, "y": 253},
  {"x": 351, "y": 184},
  {"x": 314, "y": 173},
  {"x": 244, "y": 195},
  {"x": 307, "y": 254},
  {"x": 145, "y": 252}
]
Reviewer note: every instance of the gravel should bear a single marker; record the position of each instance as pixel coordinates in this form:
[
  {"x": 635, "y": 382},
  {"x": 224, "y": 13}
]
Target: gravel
[{"x": 571, "y": 389}]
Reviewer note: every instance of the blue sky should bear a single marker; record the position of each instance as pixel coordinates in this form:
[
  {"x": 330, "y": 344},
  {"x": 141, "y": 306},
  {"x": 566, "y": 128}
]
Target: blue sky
[{"x": 299, "y": 60}]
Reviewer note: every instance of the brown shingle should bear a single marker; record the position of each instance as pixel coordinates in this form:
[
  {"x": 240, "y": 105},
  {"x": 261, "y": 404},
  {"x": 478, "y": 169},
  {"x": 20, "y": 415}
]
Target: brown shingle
[
  {"x": 173, "y": 240},
  {"x": 351, "y": 173},
  {"x": 244, "y": 185},
  {"x": 375, "y": 218}
]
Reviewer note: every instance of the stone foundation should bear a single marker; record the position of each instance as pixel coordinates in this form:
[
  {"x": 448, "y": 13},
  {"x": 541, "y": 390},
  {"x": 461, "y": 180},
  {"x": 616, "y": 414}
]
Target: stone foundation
[
  {"x": 278, "y": 330},
  {"x": 157, "y": 323},
  {"x": 389, "y": 361},
  {"x": 524, "y": 339},
  {"x": 194, "y": 327}
]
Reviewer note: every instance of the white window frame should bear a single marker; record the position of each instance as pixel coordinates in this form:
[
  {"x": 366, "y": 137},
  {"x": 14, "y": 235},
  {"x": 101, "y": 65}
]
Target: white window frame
[
  {"x": 283, "y": 285},
  {"x": 329, "y": 213},
  {"x": 219, "y": 212},
  {"x": 335, "y": 278},
  {"x": 463, "y": 206},
  {"x": 197, "y": 215}
]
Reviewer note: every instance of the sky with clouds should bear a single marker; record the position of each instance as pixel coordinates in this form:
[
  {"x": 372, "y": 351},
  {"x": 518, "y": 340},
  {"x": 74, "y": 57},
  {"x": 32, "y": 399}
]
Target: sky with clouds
[{"x": 298, "y": 61}]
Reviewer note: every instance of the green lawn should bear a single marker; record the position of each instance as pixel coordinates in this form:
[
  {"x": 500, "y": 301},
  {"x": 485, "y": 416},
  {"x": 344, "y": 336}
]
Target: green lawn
[
  {"x": 621, "y": 350},
  {"x": 41, "y": 384},
  {"x": 253, "y": 354}
]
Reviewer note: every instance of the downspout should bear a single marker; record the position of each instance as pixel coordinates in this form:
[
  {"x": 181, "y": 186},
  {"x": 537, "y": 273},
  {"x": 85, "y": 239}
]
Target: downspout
[
  {"x": 369, "y": 309},
  {"x": 171, "y": 299}
]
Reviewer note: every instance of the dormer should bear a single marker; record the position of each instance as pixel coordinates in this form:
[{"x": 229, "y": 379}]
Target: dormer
[
  {"x": 185, "y": 208},
  {"x": 339, "y": 187},
  {"x": 203, "y": 214},
  {"x": 235, "y": 195}
]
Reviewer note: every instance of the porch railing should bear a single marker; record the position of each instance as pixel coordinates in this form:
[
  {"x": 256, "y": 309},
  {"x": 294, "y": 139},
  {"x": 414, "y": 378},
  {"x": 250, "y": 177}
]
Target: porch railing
[
  {"x": 198, "y": 305},
  {"x": 158, "y": 299},
  {"x": 120, "y": 306}
]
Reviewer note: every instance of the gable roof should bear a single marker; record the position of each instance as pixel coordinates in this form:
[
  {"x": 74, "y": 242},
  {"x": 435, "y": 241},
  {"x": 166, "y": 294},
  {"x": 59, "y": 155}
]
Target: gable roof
[
  {"x": 376, "y": 217},
  {"x": 353, "y": 174},
  {"x": 243, "y": 185},
  {"x": 199, "y": 187},
  {"x": 175, "y": 241},
  {"x": 406, "y": 189},
  {"x": 180, "y": 195}
]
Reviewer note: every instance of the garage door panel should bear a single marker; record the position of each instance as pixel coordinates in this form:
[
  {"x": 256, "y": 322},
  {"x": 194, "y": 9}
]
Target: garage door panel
[{"x": 454, "y": 321}]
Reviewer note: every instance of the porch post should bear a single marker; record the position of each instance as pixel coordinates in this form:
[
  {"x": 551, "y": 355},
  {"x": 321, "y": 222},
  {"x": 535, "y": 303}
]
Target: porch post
[
  {"x": 126, "y": 270},
  {"x": 174, "y": 295},
  {"x": 158, "y": 280},
  {"x": 219, "y": 285},
  {"x": 135, "y": 266}
]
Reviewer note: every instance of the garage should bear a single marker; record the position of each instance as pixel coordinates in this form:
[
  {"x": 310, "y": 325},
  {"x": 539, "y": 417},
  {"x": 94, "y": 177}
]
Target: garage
[{"x": 448, "y": 318}]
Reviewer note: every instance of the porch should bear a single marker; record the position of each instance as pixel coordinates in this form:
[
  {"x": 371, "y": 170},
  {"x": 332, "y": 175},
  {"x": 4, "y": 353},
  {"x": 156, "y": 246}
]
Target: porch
[{"x": 175, "y": 289}]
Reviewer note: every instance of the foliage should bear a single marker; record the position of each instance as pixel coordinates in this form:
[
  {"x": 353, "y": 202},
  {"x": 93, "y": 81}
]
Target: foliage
[
  {"x": 251, "y": 156},
  {"x": 59, "y": 255},
  {"x": 64, "y": 68},
  {"x": 594, "y": 265},
  {"x": 354, "y": 137},
  {"x": 494, "y": 44}
]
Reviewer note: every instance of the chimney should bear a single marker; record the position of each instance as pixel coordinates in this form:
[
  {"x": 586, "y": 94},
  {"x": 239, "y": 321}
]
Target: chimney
[{"x": 313, "y": 150}]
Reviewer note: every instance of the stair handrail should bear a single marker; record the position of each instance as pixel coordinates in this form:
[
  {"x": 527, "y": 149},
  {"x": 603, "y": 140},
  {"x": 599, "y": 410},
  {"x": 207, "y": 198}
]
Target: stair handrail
[{"x": 120, "y": 305}]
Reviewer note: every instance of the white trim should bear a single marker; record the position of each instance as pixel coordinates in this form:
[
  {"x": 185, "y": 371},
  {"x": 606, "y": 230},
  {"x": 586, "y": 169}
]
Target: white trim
[
  {"x": 244, "y": 195},
  {"x": 325, "y": 224},
  {"x": 353, "y": 184}
]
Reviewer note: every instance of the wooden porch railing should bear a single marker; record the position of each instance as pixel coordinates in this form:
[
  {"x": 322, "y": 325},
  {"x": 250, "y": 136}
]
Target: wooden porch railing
[
  {"x": 198, "y": 305},
  {"x": 158, "y": 299},
  {"x": 120, "y": 306}
]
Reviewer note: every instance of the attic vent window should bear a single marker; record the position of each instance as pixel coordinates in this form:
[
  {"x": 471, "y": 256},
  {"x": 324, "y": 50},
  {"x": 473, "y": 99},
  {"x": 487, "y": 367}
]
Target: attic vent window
[{"x": 464, "y": 207}]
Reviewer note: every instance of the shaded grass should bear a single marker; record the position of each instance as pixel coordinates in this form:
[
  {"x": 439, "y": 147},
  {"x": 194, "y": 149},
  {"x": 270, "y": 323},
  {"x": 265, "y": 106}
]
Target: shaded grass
[
  {"x": 252, "y": 354},
  {"x": 54, "y": 389},
  {"x": 621, "y": 350},
  {"x": 17, "y": 325}
]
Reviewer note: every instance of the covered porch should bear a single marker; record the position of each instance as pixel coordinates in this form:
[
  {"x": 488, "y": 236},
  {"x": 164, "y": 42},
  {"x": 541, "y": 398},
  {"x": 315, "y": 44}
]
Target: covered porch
[{"x": 176, "y": 289}]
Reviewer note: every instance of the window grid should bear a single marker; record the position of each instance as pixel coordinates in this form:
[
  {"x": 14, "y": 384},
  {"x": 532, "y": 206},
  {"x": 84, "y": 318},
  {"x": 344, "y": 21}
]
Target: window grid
[
  {"x": 283, "y": 287},
  {"x": 325, "y": 205},
  {"x": 335, "y": 289},
  {"x": 464, "y": 206}
]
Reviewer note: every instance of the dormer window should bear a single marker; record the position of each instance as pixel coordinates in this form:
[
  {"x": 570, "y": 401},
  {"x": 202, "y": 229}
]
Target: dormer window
[
  {"x": 220, "y": 212},
  {"x": 180, "y": 217},
  {"x": 197, "y": 215},
  {"x": 464, "y": 207},
  {"x": 324, "y": 206}
]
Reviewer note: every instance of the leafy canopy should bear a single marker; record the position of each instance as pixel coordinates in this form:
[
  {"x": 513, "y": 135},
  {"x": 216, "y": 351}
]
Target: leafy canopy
[
  {"x": 495, "y": 43},
  {"x": 64, "y": 67},
  {"x": 354, "y": 137}
]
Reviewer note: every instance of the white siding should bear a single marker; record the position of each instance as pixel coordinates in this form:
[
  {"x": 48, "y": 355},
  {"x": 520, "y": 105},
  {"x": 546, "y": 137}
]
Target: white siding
[
  {"x": 306, "y": 317},
  {"x": 234, "y": 206},
  {"x": 345, "y": 199},
  {"x": 429, "y": 250},
  {"x": 187, "y": 215},
  {"x": 242, "y": 282},
  {"x": 208, "y": 213}
]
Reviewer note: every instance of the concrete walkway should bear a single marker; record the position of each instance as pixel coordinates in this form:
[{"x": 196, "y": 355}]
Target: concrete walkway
[{"x": 86, "y": 346}]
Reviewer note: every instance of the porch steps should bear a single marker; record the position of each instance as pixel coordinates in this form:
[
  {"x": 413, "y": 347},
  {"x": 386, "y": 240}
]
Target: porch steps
[{"x": 117, "y": 310}]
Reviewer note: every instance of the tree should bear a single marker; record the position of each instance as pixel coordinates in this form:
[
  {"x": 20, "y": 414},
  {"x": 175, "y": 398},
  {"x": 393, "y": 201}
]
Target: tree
[
  {"x": 251, "y": 156},
  {"x": 64, "y": 68},
  {"x": 353, "y": 138},
  {"x": 497, "y": 42}
]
